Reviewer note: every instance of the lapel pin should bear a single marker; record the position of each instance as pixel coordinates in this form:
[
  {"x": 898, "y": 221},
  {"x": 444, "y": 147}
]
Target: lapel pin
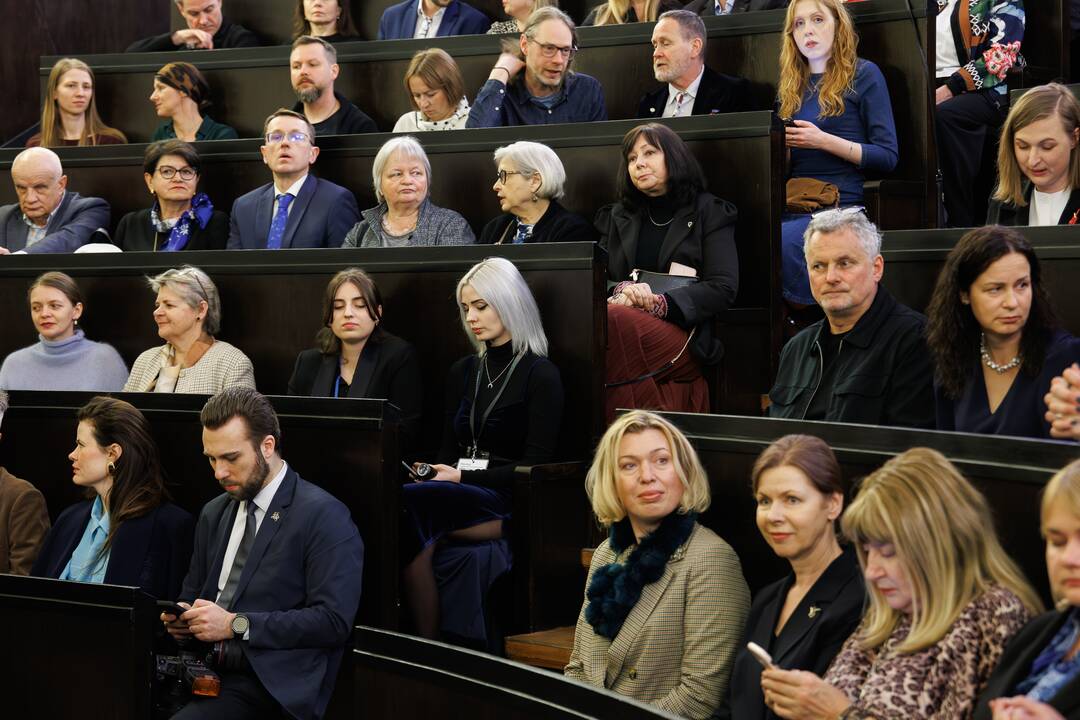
[
  {"x": 813, "y": 613},
  {"x": 277, "y": 516},
  {"x": 690, "y": 224}
]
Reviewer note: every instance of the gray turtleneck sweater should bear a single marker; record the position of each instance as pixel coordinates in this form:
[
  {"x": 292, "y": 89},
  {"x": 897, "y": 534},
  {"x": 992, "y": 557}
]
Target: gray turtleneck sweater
[{"x": 72, "y": 364}]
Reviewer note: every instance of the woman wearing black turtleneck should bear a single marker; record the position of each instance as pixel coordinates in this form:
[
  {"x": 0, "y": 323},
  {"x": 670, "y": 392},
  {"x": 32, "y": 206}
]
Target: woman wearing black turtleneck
[
  {"x": 503, "y": 409},
  {"x": 664, "y": 223}
]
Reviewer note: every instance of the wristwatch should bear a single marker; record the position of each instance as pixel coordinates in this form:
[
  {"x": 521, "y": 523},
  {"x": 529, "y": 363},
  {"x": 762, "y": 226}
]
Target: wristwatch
[{"x": 240, "y": 625}]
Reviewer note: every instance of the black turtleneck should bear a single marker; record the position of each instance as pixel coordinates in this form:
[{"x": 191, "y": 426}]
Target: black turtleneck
[
  {"x": 523, "y": 427},
  {"x": 656, "y": 216}
]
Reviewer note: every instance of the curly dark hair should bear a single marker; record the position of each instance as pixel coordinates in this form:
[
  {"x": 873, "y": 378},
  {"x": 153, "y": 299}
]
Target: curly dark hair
[
  {"x": 686, "y": 180},
  {"x": 952, "y": 333}
]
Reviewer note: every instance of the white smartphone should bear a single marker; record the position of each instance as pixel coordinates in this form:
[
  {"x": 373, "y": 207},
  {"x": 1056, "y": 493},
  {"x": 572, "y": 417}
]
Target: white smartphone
[{"x": 760, "y": 655}]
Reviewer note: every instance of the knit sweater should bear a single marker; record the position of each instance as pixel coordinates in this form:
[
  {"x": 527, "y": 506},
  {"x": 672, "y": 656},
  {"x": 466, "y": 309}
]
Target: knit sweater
[
  {"x": 222, "y": 366},
  {"x": 72, "y": 364}
]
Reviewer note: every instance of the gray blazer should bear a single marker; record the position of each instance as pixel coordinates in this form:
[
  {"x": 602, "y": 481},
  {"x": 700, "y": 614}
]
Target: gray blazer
[
  {"x": 434, "y": 226},
  {"x": 72, "y": 225}
]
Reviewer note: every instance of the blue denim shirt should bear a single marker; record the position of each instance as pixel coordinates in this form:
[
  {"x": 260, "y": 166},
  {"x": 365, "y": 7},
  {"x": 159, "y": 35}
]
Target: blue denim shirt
[{"x": 500, "y": 105}]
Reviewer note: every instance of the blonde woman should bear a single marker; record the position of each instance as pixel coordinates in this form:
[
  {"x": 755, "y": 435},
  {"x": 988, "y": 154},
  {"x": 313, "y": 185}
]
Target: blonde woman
[
  {"x": 666, "y": 601},
  {"x": 840, "y": 120},
  {"x": 1039, "y": 161},
  {"x": 1036, "y": 678},
  {"x": 69, "y": 114},
  {"x": 518, "y": 11},
  {"x": 944, "y": 601},
  {"x": 617, "y": 12}
]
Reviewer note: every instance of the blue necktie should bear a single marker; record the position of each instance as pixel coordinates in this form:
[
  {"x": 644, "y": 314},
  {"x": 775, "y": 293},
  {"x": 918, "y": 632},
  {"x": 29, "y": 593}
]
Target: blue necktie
[{"x": 277, "y": 227}]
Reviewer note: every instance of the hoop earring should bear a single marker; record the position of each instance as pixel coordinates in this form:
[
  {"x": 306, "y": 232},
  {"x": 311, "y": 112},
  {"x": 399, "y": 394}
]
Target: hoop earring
[{"x": 111, "y": 467}]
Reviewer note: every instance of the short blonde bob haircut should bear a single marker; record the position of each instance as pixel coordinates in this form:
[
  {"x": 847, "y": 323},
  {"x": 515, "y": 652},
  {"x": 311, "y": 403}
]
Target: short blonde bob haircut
[
  {"x": 1034, "y": 105},
  {"x": 943, "y": 533},
  {"x": 603, "y": 476}
]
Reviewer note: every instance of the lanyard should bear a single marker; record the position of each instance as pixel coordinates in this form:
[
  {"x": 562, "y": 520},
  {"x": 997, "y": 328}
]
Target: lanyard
[
  {"x": 337, "y": 385},
  {"x": 476, "y": 394}
]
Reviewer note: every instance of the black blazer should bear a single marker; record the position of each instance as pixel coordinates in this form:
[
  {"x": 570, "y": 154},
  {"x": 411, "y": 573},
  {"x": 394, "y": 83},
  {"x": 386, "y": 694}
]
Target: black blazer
[
  {"x": 388, "y": 368},
  {"x": 136, "y": 233},
  {"x": 717, "y": 93},
  {"x": 1015, "y": 665},
  {"x": 807, "y": 642},
  {"x": 707, "y": 8},
  {"x": 701, "y": 236},
  {"x": 557, "y": 225},
  {"x": 151, "y": 552},
  {"x": 1000, "y": 213}
]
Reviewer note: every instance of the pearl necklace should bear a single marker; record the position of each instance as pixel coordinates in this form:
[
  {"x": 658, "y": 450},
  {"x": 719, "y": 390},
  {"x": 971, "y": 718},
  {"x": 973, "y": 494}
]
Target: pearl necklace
[{"x": 989, "y": 361}]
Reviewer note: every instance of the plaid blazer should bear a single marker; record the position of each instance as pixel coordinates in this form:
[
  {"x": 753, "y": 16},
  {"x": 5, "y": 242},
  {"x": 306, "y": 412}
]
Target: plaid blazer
[
  {"x": 676, "y": 648},
  {"x": 222, "y": 366}
]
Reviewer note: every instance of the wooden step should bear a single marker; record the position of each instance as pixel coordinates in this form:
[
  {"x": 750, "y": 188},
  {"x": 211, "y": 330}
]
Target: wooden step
[{"x": 546, "y": 649}]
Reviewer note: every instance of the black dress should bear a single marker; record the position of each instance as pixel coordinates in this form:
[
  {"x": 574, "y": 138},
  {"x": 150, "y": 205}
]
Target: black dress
[
  {"x": 557, "y": 225},
  {"x": 521, "y": 429},
  {"x": 811, "y": 638},
  {"x": 389, "y": 368},
  {"x": 1021, "y": 412},
  {"x": 135, "y": 233}
]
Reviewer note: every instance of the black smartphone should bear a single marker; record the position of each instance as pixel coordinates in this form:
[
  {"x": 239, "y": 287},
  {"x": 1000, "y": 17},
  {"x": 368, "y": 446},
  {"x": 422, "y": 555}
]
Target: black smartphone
[
  {"x": 170, "y": 607},
  {"x": 788, "y": 122}
]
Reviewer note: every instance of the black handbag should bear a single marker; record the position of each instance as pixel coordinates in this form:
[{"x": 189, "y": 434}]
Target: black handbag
[{"x": 661, "y": 283}]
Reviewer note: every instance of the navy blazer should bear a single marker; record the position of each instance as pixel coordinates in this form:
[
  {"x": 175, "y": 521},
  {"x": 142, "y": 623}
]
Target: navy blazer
[
  {"x": 717, "y": 93},
  {"x": 811, "y": 637},
  {"x": 707, "y": 8},
  {"x": 1015, "y": 665},
  {"x": 71, "y": 226},
  {"x": 320, "y": 216},
  {"x": 300, "y": 588},
  {"x": 150, "y": 552},
  {"x": 398, "y": 22}
]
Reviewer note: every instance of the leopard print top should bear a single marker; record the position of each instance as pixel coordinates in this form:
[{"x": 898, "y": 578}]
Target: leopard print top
[{"x": 938, "y": 683}]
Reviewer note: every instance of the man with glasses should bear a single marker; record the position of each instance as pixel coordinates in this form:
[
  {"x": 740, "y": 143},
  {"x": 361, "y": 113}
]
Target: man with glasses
[
  {"x": 547, "y": 92},
  {"x": 431, "y": 18},
  {"x": 297, "y": 209},
  {"x": 48, "y": 218},
  {"x": 867, "y": 361}
]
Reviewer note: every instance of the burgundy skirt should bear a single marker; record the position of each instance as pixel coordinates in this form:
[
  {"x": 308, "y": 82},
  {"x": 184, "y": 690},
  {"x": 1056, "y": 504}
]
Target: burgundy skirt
[{"x": 640, "y": 344}]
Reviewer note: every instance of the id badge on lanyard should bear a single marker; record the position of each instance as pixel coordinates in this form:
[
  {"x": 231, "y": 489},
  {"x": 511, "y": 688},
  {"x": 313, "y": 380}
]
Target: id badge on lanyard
[{"x": 478, "y": 459}]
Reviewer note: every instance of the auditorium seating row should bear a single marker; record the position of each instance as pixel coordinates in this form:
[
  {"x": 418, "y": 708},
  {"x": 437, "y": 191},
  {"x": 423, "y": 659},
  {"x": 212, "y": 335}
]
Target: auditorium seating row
[{"x": 390, "y": 674}]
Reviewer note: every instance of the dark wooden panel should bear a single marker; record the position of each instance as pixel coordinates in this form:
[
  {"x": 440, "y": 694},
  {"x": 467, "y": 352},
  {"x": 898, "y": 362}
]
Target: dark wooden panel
[
  {"x": 914, "y": 258},
  {"x": 1009, "y": 471},
  {"x": 1047, "y": 34},
  {"x": 95, "y": 639},
  {"x": 344, "y": 446}
]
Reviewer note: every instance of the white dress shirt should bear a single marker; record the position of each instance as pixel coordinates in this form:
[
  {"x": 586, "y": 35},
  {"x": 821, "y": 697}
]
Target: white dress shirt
[
  {"x": 1046, "y": 208},
  {"x": 262, "y": 503},
  {"x": 427, "y": 27},
  {"x": 293, "y": 190},
  {"x": 948, "y": 61},
  {"x": 691, "y": 91}
]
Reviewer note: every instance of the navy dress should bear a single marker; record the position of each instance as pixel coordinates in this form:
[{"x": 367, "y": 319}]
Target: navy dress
[
  {"x": 868, "y": 121},
  {"x": 1021, "y": 412},
  {"x": 521, "y": 429}
]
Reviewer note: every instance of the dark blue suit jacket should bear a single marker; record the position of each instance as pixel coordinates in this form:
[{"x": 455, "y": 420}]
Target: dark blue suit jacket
[
  {"x": 398, "y": 22},
  {"x": 300, "y": 588},
  {"x": 71, "y": 227},
  {"x": 320, "y": 217},
  {"x": 151, "y": 552}
]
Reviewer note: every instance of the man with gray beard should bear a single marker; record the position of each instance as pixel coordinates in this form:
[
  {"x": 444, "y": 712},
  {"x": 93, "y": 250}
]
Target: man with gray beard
[
  {"x": 678, "y": 42},
  {"x": 313, "y": 68}
]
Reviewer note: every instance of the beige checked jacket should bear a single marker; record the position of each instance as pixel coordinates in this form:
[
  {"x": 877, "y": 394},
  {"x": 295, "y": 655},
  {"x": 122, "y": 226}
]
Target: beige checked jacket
[
  {"x": 222, "y": 366},
  {"x": 677, "y": 646}
]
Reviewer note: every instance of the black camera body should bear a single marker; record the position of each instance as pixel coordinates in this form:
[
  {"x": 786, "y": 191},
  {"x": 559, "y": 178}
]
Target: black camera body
[{"x": 179, "y": 677}]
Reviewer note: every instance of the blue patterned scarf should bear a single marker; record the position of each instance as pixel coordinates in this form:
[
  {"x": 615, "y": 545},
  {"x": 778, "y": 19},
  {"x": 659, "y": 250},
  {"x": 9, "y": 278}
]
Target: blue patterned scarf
[
  {"x": 616, "y": 588},
  {"x": 200, "y": 211}
]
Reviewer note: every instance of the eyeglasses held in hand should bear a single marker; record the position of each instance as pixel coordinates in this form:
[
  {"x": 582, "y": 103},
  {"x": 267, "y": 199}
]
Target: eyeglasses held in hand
[
  {"x": 294, "y": 137},
  {"x": 169, "y": 172},
  {"x": 548, "y": 50}
]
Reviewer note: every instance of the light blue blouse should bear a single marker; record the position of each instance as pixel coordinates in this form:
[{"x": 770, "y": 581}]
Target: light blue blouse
[{"x": 88, "y": 563}]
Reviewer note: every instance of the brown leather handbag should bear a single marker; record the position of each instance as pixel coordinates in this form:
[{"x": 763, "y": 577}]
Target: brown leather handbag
[{"x": 806, "y": 195}]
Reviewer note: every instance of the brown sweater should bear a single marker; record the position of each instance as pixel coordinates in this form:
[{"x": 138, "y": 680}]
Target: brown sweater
[{"x": 24, "y": 522}]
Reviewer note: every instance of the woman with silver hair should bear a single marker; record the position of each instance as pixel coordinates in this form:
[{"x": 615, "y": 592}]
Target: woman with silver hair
[
  {"x": 405, "y": 215},
  {"x": 503, "y": 409},
  {"x": 188, "y": 313},
  {"x": 529, "y": 182}
]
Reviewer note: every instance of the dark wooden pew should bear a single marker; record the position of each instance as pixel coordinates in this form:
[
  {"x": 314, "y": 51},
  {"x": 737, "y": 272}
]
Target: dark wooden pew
[
  {"x": 404, "y": 677},
  {"x": 75, "y": 650},
  {"x": 913, "y": 259},
  {"x": 1009, "y": 471},
  {"x": 1046, "y": 42},
  {"x": 348, "y": 447},
  {"x": 272, "y": 308}
]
